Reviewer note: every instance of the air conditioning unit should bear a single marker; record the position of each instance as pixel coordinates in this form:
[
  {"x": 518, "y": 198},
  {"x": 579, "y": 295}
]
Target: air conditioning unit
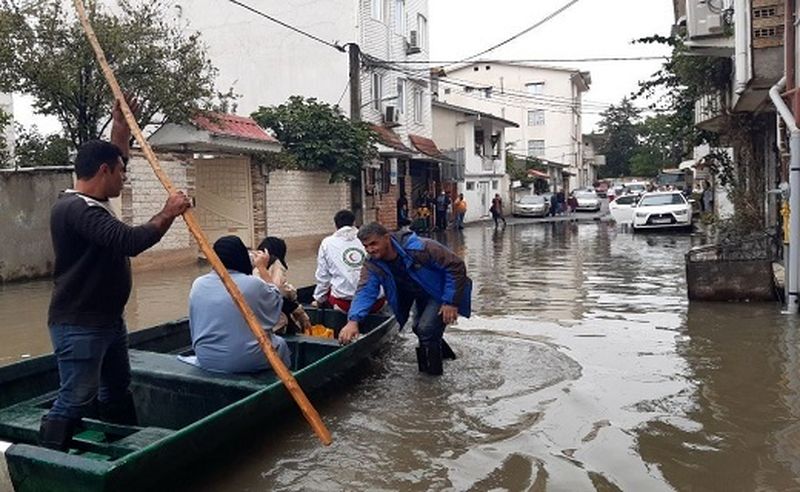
[
  {"x": 706, "y": 18},
  {"x": 391, "y": 116},
  {"x": 412, "y": 46}
]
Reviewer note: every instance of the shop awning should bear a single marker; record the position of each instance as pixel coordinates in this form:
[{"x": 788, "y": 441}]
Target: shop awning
[{"x": 533, "y": 173}]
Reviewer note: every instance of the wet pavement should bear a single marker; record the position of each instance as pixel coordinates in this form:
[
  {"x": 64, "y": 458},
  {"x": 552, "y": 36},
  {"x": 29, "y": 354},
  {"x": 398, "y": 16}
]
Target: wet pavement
[{"x": 583, "y": 368}]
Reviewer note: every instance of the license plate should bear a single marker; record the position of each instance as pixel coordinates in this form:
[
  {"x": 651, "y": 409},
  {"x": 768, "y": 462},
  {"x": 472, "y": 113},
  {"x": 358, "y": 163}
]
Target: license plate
[{"x": 662, "y": 221}]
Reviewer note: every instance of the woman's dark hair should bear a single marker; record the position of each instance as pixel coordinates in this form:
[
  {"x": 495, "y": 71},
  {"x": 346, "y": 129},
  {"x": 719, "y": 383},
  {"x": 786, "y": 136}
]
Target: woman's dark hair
[
  {"x": 276, "y": 247},
  {"x": 92, "y": 155}
]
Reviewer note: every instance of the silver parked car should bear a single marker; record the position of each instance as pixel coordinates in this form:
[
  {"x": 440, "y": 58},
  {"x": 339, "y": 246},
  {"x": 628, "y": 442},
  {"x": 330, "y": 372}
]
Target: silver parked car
[
  {"x": 531, "y": 206},
  {"x": 587, "y": 200}
]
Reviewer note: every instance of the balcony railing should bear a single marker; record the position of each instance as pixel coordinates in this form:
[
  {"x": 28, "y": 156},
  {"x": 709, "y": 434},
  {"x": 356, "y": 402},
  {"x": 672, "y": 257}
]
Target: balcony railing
[
  {"x": 454, "y": 171},
  {"x": 709, "y": 111}
]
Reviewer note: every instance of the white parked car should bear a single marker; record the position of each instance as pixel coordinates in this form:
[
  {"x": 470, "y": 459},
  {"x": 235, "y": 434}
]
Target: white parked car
[
  {"x": 621, "y": 208},
  {"x": 635, "y": 187},
  {"x": 587, "y": 200},
  {"x": 662, "y": 209},
  {"x": 531, "y": 206}
]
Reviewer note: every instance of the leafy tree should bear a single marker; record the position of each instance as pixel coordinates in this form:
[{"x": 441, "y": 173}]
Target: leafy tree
[
  {"x": 45, "y": 53},
  {"x": 619, "y": 123},
  {"x": 34, "y": 149},
  {"x": 320, "y": 137}
]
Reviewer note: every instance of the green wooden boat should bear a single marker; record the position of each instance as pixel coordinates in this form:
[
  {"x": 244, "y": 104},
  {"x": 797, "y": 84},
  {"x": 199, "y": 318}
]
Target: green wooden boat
[{"x": 185, "y": 413}]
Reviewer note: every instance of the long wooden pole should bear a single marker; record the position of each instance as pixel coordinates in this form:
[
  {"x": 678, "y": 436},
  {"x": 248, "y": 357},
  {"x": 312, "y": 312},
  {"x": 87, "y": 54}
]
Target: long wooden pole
[{"x": 194, "y": 227}]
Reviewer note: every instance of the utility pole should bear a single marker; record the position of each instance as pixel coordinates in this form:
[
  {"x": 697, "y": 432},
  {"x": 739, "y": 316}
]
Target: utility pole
[{"x": 357, "y": 189}]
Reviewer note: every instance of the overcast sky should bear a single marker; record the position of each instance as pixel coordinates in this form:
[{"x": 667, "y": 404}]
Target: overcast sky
[{"x": 590, "y": 28}]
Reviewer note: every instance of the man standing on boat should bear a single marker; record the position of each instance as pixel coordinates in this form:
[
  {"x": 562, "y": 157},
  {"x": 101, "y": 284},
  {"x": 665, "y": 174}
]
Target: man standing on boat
[
  {"x": 92, "y": 284},
  {"x": 412, "y": 270}
]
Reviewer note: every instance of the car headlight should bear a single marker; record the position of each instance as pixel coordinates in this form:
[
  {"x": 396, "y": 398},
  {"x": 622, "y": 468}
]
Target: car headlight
[
  {"x": 642, "y": 215},
  {"x": 681, "y": 212}
]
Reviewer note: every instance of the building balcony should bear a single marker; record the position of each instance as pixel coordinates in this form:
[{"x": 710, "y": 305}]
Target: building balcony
[
  {"x": 491, "y": 164},
  {"x": 709, "y": 112}
]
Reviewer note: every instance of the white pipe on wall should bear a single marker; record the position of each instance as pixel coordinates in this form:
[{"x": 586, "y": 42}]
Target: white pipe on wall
[
  {"x": 742, "y": 59},
  {"x": 792, "y": 300}
]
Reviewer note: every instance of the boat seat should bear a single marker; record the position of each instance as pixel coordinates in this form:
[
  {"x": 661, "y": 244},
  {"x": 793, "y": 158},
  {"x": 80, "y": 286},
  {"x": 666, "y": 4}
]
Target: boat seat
[{"x": 154, "y": 365}]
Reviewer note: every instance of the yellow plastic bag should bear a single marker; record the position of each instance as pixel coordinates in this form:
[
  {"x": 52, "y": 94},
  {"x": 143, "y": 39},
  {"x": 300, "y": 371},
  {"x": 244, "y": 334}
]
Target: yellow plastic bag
[{"x": 319, "y": 331}]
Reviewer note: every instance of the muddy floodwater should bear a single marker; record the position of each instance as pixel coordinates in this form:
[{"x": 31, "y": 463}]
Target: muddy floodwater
[{"x": 584, "y": 367}]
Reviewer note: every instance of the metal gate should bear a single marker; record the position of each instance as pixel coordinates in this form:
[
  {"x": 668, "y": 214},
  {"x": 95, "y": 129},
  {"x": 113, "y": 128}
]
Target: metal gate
[{"x": 224, "y": 198}]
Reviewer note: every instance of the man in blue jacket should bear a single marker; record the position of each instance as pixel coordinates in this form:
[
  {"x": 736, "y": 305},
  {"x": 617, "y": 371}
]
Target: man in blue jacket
[{"x": 412, "y": 270}]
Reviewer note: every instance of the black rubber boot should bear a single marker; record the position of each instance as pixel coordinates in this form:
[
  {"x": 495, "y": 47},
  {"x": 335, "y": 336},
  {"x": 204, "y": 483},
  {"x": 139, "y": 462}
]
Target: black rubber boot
[
  {"x": 422, "y": 359},
  {"x": 433, "y": 356},
  {"x": 55, "y": 433},
  {"x": 447, "y": 352},
  {"x": 121, "y": 412}
]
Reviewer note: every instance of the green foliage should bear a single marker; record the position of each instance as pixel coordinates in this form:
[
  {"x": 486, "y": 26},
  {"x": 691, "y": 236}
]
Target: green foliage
[
  {"x": 320, "y": 137},
  {"x": 647, "y": 161},
  {"x": 619, "y": 123},
  {"x": 45, "y": 53},
  {"x": 517, "y": 168},
  {"x": 34, "y": 149}
]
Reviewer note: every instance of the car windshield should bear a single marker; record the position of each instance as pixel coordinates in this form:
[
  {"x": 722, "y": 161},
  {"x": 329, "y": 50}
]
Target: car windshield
[
  {"x": 626, "y": 200},
  {"x": 585, "y": 194},
  {"x": 655, "y": 200},
  {"x": 532, "y": 199}
]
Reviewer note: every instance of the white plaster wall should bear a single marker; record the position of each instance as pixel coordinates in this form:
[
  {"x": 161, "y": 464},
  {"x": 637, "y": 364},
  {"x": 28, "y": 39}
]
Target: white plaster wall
[
  {"x": 266, "y": 63},
  {"x": 378, "y": 38},
  {"x": 7, "y": 106}
]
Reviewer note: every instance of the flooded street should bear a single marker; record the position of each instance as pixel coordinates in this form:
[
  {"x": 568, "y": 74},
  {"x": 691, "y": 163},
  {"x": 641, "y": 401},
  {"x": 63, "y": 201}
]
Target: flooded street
[{"x": 583, "y": 368}]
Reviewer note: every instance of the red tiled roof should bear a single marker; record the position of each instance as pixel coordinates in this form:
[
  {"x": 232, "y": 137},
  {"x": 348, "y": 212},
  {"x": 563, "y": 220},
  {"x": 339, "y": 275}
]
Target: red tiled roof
[
  {"x": 533, "y": 173},
  {"x": 230, "y": 125},
  {"x": 427, "y": 147},
  {"x": 390, "y": 138}
]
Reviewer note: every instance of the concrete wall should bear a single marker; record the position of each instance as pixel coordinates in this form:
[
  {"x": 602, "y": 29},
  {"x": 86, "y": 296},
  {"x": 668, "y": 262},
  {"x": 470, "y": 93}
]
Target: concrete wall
[
  {"x": 26, "y": 197},
  {"x": 300, "y": 206}
]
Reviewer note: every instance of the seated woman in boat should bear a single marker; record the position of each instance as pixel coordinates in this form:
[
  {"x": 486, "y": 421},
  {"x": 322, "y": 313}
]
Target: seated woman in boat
[
  {"x": 221, "y": 339},
  {"x": 293, "y": 318}
]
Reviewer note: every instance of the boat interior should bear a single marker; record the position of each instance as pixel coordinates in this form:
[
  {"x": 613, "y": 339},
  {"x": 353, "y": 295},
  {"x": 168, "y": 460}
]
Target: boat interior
[{"x": 169, "y": 394}]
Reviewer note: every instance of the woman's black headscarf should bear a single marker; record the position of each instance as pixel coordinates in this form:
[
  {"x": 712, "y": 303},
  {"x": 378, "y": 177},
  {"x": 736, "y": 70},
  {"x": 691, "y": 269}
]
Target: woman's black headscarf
[{"x": 233, "y": 254}]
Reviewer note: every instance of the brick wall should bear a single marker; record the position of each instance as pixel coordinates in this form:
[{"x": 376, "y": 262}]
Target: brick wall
[
  {"x": 144, "y": 196},
  {"x": 302, "y": 204},
  {"x": 259, "y": 183}
]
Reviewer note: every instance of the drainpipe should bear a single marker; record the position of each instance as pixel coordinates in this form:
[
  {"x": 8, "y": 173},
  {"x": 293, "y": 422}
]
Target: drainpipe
[
  {"x": 742, "y": 73},
  {"x": 794, "y": 195}
]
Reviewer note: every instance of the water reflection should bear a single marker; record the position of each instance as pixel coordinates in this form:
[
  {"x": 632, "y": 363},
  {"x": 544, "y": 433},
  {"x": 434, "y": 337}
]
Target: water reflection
[{"x": 584, "y": 368}]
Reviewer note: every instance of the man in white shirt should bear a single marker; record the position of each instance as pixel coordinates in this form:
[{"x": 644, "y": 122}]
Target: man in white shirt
[{"x": 339, "y": 262}]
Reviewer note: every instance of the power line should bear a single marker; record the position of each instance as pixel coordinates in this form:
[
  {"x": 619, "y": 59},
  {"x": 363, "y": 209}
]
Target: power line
[
  {"x": 524, "y": 31},
  {"x": 535, "y": 60},
  {"x": 295, "y": 29}
]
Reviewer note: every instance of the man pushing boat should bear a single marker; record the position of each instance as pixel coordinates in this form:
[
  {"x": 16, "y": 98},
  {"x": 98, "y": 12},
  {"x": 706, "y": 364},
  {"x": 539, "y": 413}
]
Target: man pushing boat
[
  {"x": 92, "y": 284},
  {"x": 412, "y": 271}
]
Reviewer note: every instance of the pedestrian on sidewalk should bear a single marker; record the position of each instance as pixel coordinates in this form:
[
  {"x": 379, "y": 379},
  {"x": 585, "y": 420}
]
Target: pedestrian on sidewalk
[
  {"x": 460, "y": 209},
  {"x": 92, "y": 278},
  {"x": 412, "y": 272},
  {"x": 442, "y": 204},
  {"x": 497, "y": 210},
  {"x": 553, "y": 205},
  {"x": 562, "y": 202}
]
